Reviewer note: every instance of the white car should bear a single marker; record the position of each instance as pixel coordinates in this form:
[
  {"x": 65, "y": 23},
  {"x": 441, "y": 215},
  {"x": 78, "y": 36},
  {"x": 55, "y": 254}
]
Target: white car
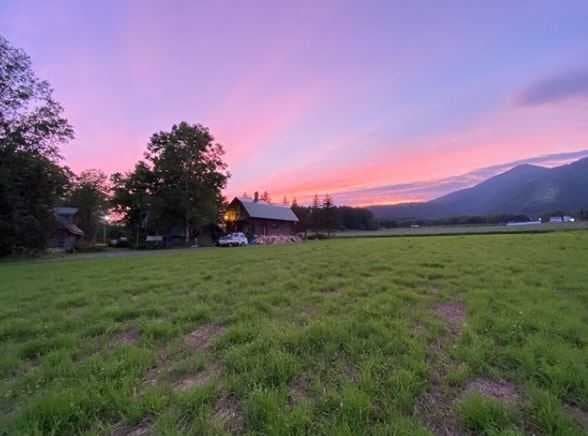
[{"x": 237, "y": 239}]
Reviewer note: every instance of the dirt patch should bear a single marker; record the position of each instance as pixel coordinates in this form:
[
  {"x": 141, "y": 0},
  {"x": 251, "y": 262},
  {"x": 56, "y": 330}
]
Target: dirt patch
[
  {"x": 201, "y": 338},
  {"x": 298, "y": 390},
  {"x": 578, "y": 415},
  {"x": 310, "y": 311},
  {"x": 141, "y": 429},
  {"x": 202, "y": 378},
  {"x": 127, "y": 337},
  {"x": 227, "y": 414},
  {"x": 435, "y": 406},
  {"x": 435, "y": 411},
  {"x": 329, "y": 289},
  {"x": 351, "y": 373},
  {"x": 497, "y": 389},
  {"x": 453, "y": 314}
]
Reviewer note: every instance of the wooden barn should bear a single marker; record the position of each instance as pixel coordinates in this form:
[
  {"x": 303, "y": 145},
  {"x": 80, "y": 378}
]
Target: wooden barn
[{"x": 257, "y": 217}]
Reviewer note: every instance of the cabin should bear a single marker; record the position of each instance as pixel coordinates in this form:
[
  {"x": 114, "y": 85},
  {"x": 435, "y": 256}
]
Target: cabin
[
  {"x": 67, "y": 234},
  {"x": 259, "y": 218}
]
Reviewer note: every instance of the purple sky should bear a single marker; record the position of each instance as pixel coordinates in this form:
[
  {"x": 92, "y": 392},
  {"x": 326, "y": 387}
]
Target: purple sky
[{"x": 341, "y": 97}]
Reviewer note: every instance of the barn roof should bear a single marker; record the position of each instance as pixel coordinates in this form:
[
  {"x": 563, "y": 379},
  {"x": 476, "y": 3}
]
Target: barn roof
[{"x": 261, "y": 209}]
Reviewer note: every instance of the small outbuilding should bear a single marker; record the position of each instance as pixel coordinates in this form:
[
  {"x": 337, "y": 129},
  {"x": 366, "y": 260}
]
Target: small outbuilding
[
  {"x": 559, "y": 219},
  {"x": 259, "y": 218},
  {"x": 67, "y": 234}
]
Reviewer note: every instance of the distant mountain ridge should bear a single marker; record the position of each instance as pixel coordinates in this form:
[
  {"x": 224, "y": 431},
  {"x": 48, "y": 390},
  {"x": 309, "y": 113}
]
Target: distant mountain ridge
[{"x": 524, "y": 189}]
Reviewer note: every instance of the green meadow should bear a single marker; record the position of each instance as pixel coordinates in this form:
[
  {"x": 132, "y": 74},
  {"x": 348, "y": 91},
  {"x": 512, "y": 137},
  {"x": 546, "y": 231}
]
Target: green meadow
[{"x": 481, "y": 335}]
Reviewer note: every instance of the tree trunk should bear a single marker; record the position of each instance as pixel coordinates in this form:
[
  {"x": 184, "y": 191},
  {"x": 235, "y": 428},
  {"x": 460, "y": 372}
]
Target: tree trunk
[{"x": 187, "y": 232}]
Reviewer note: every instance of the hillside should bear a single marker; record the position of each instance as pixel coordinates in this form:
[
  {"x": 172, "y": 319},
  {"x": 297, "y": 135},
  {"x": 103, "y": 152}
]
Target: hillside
[{"x": 525, "y": 189}]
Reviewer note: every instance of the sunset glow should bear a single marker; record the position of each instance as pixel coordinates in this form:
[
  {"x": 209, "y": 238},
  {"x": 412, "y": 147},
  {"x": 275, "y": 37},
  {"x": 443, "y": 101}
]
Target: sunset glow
[{"x": 373, "y": 103}]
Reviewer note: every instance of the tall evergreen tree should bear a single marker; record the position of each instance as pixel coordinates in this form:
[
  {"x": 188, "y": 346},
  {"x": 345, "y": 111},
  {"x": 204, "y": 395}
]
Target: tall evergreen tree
[
  {"x": 266, "y": 197},
  {"x": 329, "y": 217},
  {"x": 315, "y": 214}
]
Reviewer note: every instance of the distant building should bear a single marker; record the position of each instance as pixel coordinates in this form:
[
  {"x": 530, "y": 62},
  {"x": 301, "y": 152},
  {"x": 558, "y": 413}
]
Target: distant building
[
  {"x": 257, "y": 217},
  {"x": 562, "y": 219},
  {"x": 67, "y": 234},
  {"x": 523, "y": 223}
]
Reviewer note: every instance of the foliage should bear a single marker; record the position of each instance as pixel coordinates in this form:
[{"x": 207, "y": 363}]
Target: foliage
[
  {"x": 265, "y": 196},
  {"x": 90, "y": 195},
  {"x": 337, "y": 348},
  {"x": 179, "y": 186},
  {"x": 315, "y": 215},
  {"x": 132, "y": 198},
  {"x": 328, "y": 217},
  {"x": 31, "y": 129},
  {"x": 30, "y": 119},
  {"x": 189, "y": 174}
]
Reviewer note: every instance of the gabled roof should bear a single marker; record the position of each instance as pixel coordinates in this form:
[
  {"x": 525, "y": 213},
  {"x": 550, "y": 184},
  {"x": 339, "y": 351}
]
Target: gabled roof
[
  {"x": 261, "y": 209},
  {"x": 74, "y": 230}
]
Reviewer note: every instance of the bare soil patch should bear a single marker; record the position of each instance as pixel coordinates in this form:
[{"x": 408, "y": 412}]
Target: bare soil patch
[
  {"x": 310, "y": 311},
  {"x": 227, "y": 414},
  {"x": 497, "y": 389},
  {"x": 578, "y": 415},
  {"x": 351, "y": 373},
  {"x": 197, "y": 341},
  {"x": 201, "y": 338},
  {"x": 144, "y": 428},
  {"x": 435, "y": 410},
  {"x": 453, "y": 314},
  {"x": 127, "y": 337},
  {"x": 298, "y": 389},
  {"x": 435, "y": 405},
  {"x": 202, "y": 378},
  {"x": 330, "y": 289}
]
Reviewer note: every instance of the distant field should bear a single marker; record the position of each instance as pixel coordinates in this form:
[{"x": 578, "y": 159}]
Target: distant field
[
  {"x": 467, "y": 229},
  {"x": 485, "y": 335}
]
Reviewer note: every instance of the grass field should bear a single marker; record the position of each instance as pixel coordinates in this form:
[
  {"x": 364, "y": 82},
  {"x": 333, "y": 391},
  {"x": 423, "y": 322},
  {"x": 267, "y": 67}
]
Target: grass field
[
  {"x": 465, "y": 230},
  {"x": 378, "y": 336}
]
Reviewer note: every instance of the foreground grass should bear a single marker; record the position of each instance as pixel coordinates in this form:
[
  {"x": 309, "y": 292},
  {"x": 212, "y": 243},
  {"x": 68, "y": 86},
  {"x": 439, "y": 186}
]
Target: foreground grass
[{"x": 336, "y": 337}]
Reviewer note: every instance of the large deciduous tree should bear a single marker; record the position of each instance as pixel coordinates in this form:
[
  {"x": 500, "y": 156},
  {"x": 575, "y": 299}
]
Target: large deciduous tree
[
  {"x": 31, "y": 129},
  {"x": 189, "y": 173},
  {"x": 179, "y": 186}
]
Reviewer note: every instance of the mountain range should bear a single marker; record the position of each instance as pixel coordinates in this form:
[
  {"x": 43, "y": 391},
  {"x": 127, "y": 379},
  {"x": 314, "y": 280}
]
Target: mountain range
[{"x": 525, "y": 189}]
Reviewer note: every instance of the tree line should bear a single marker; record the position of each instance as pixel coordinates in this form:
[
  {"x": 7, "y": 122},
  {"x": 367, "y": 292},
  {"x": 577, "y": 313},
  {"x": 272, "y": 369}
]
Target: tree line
[
  {"x": 322, "y": 217},
  {"x": 178, "y": 185}
]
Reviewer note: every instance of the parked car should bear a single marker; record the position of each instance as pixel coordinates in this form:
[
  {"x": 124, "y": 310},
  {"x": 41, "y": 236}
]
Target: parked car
[
  {"x": 237, "y": 239},
  {"x": 119, "y": 242}
]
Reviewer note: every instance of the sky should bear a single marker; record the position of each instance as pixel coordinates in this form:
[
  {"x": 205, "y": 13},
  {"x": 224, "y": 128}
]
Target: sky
[{"x": 373, "y": 102}]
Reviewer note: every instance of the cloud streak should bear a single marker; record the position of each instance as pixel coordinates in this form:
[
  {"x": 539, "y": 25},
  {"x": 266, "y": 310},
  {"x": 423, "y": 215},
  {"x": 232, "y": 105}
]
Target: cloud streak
[
  {"x": 427, "y": 190},
  {"x": 572, "y": 84}
]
